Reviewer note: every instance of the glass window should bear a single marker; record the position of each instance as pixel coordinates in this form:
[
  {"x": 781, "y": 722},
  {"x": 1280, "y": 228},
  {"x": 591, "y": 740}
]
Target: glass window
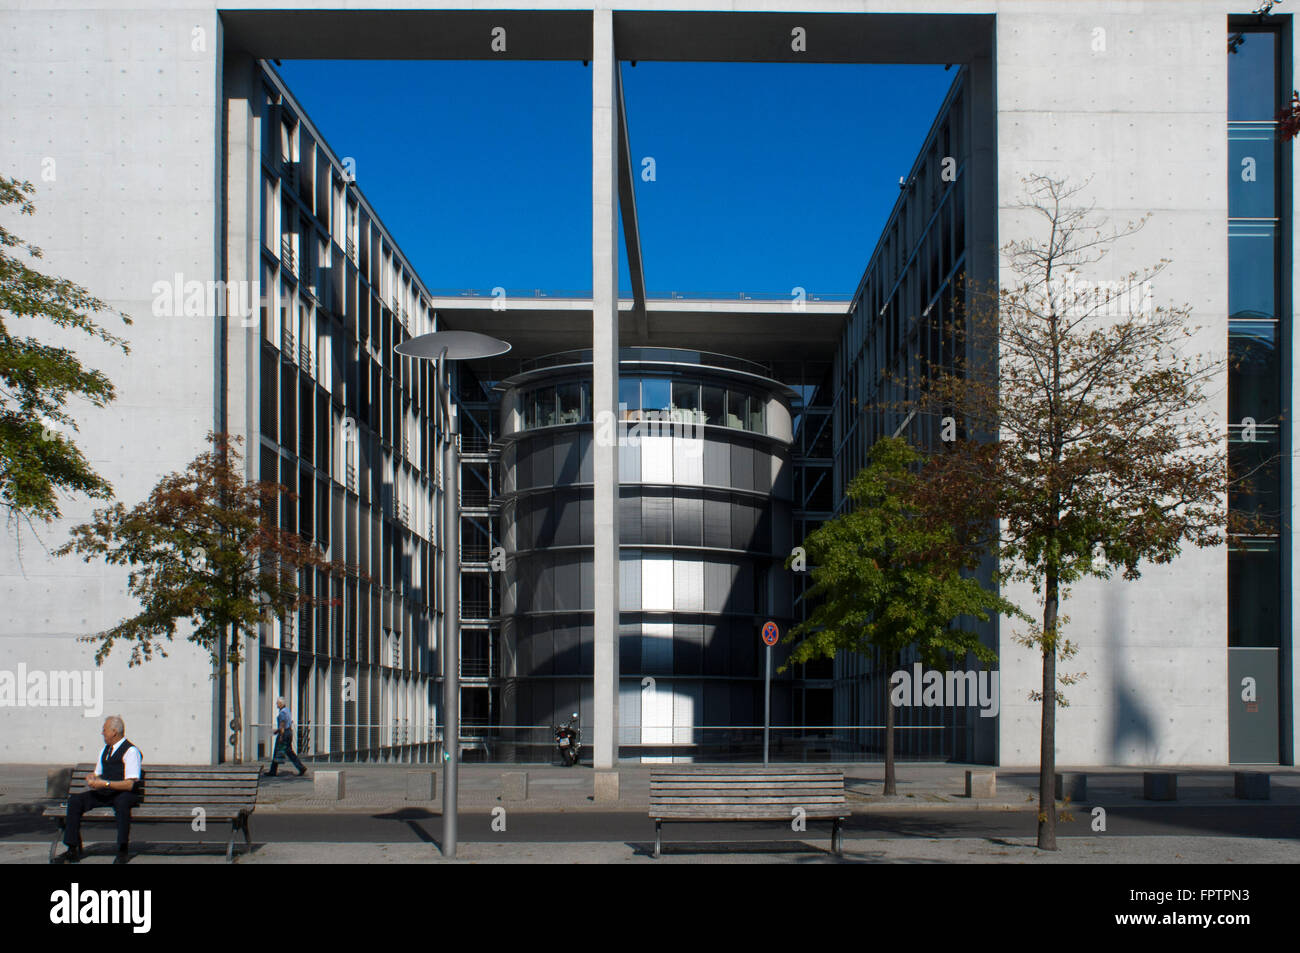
[
  {"x": 1251, "y": 173},
  {"x": 544, "y": 406},
  {"x": 629, "y": 395},
  {"x": 569, "y": 397},
  {"x": 656, "y": 395},
  {"x": 1252, "y": 371},
  {"x": 1252, "y": 78},
  {"x": 1254, "y": 609},
  {"x": 686, "y": 400},
  {"x": 1253, "y": 469},
  {"x": 714, "y": 402},
  {"x": 737, "y": 409},
  {"x": 1251, "y": 288},
  {"x": 757, "y": 407}
]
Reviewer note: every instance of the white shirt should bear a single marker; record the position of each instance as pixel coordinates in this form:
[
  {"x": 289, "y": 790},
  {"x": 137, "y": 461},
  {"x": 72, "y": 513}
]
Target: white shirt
[{"x": 131, "y": 761}]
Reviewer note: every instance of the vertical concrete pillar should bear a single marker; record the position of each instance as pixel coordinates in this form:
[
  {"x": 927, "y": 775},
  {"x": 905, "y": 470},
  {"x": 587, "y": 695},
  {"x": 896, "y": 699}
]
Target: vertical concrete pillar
[
  {"x": 604, "y": 342},
  {"x": 237, "y": 380}
]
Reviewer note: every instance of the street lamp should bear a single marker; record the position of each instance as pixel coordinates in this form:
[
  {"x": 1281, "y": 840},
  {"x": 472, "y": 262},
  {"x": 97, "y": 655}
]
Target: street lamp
[{"x": 443, "y": 347}]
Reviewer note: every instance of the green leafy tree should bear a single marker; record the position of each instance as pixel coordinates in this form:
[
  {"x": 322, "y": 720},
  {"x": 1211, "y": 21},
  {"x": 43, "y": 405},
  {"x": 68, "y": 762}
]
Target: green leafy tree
[
  {"x": 1105, "y": 457},
  {"x": 894, "y": 572},
  {"x": 37, "y": 379},
  {"x": 203, "y": 547}
]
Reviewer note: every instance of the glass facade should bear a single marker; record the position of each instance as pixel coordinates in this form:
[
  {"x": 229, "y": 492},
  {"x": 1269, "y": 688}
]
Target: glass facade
[
  {"x": 677, "y": 399},
  {"x": 902, "y": 321},
  {"x": 1258, "y": 339},
  {"x": 705, "y": 519},
  {"x": 1257, "y": 335},
  {"x": 350, "y": 431}
]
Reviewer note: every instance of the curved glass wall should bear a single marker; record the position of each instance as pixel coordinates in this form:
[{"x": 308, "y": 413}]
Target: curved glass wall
[
  {"x": 705, "y": 522},
  {"x": 677, "y": 399}
]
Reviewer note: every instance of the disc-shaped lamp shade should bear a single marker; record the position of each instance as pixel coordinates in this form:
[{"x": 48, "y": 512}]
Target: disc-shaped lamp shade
[{"x": 460, "y": 346}]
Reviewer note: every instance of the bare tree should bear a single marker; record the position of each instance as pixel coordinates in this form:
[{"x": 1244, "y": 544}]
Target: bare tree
[{"x": 1104, "y": 457}]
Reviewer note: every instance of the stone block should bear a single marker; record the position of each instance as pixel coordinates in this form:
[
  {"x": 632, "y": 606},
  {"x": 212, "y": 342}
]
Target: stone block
[
  {"x": 1250, "y": 785},
  {"x": 1072, "y": 786},
  {"x": 981, "y": 783},
  {"x": 1159, "y": 786},
  {"x": 606, "y": 786},
  {"x": 514, "y": 785},
  {"x": 329, "y": 785},
  {"x": 421, "y": 785}
]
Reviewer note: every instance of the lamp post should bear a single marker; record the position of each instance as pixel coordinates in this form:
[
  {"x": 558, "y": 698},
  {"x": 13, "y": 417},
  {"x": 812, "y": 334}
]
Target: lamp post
[{"x": 443, "y": 347}]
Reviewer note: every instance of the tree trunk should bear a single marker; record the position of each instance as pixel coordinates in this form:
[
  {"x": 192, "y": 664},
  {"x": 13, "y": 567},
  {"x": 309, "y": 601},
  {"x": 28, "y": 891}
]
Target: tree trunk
[
  {"x": 237, "y": 721},
  {"x": 1047, "y": 755},
  {"x": 890, "y": 788}
]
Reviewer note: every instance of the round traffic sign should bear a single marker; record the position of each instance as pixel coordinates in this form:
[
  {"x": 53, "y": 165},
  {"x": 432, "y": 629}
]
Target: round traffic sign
[{"x": 771, "y": 633}]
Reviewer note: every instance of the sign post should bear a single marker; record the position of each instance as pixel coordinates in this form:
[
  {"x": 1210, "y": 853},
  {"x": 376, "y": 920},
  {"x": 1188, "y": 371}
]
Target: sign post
[{"x": 771, "y": 634}]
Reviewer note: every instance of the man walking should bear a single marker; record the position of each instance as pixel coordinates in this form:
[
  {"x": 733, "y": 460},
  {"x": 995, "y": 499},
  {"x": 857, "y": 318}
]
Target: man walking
[
  {"x": 284, "y": 737},
  {"x": 114, "y": 783}
]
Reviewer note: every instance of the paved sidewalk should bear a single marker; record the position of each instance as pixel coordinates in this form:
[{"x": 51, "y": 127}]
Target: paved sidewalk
[
  {"x": 1101, "y": 849},
  {"x": 551, "y": 788}
]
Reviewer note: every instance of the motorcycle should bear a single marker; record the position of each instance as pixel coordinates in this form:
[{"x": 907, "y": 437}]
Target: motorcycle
[{"x": 568, "y": 738}]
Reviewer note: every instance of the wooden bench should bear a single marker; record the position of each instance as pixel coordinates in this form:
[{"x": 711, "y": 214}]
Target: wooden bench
[
  {"x": 169, "y": 793},
  {"x": 748, "y": 794}
]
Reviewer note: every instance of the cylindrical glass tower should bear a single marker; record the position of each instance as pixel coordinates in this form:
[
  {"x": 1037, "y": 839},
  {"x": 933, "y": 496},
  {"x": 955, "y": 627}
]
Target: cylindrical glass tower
[{"x": 704, "y": 525}]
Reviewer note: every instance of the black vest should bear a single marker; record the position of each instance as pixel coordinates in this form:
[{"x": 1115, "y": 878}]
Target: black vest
[{"x": 115, "y": 763}]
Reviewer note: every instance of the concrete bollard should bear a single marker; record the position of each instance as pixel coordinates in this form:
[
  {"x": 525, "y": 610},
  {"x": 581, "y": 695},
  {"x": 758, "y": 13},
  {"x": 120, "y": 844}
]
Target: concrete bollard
[
  {"x": 606, "y": 786},
  {"x": 1072, "y": 786},
  {"x": 329, "y": 785},
  {"x": 514, "y": 785},
  {"x": 421, "y": 785},
  {"x": 1159, "y": 786},
  {"x": 1250, "y": 785},
  {"x": 57, "y": 782},
  {"x": 981, "y": 783}
]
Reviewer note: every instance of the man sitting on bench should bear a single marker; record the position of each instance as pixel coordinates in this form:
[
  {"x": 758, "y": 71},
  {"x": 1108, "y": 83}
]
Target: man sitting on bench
[{"x": 113, "y": 783}]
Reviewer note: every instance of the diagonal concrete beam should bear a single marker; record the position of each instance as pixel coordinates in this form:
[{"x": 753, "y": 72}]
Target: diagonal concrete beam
[{"x": 627, "y": 204}]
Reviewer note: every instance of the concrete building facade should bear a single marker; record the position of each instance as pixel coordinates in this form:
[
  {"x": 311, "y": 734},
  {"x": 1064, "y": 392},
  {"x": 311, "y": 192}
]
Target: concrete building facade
[{"x": 156, "y": 153}]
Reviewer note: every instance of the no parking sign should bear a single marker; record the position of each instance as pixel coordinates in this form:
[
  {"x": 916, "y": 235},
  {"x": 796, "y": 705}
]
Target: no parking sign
[{"x": 771, "y": 633}]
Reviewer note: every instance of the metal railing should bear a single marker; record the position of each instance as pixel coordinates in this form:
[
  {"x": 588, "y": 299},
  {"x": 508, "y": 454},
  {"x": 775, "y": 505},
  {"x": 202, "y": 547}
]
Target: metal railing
[
  {"x": 477, "y": 668},
  {"x": 535, "y": 744},
  {"x": 475, "y": 609}
]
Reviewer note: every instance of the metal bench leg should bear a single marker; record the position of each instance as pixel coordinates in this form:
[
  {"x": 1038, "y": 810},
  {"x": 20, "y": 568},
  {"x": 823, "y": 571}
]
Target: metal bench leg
[
  {"x": 837, "y": 838},
  {"x": 58, "y": 837},
  {"x": 230, "y": 843},
  {"x": 658, "y": 838},
  {"x": 248, "y": 836}
]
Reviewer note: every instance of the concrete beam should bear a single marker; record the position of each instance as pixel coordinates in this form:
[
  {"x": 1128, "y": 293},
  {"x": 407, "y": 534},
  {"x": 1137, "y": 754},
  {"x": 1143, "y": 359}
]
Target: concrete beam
[{"x": 627, "y": 204}]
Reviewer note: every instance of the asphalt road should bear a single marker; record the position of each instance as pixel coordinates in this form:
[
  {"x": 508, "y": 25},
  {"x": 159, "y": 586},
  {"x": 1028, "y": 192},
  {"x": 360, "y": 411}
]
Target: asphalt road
[{"x": 413, "y": 825}]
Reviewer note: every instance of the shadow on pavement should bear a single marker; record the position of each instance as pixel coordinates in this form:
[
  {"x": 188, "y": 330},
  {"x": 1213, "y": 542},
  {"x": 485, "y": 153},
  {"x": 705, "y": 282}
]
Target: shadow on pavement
[{"x": 412, "y": 816}]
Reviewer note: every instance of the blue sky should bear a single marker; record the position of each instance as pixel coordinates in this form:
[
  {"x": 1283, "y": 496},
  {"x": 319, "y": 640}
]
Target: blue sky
[{"x": 767, "y": 176}]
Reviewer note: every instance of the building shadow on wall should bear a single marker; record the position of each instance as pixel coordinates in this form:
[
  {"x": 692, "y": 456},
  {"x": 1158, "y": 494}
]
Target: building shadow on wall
[{"x": 1131, "y": 726}]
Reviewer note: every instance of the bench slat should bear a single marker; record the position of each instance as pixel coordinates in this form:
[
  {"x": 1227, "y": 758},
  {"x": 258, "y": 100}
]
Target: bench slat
[
  {"x": 734, "y": 778},
  {"x": 752, "y": 815},
  {"x": 143, "y": 812},
  {"x": 155, "y": 785},
  {"x": 86, "y": 767},
  {"x": 739, "y": 789}
]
